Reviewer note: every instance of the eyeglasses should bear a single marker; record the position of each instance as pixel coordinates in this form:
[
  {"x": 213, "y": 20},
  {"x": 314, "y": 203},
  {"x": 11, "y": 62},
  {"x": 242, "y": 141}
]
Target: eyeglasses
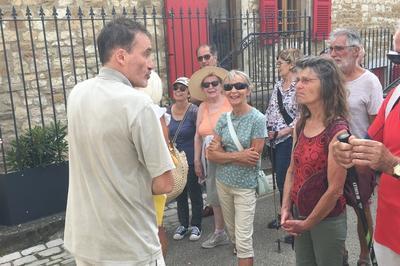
[
  {"x": 206, "y": 57},
  {"x": 238, "y": 86},
  {"x": 338, "y": 48},
  {"x": 214, "y": 83},
  {"x": 180, "y": 87},
  {"x": 305, "y": 81}
]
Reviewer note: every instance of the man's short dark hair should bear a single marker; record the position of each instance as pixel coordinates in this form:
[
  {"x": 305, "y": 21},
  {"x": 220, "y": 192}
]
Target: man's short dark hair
[
  {"x": 118, "y": 33},
  {"x": 211, "y": 46}
]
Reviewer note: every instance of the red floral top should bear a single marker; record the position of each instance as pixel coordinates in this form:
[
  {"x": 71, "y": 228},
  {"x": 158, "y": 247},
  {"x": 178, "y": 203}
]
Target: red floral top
[{"x": 310, "y": 169}]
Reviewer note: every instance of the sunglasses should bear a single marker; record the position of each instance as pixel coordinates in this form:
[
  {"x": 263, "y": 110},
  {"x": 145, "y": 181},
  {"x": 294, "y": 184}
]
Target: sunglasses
[
  {"x": 238, "y": 86},
  {"x": 180, "y": 87},
  {"x": 205, "y": 57},
  {"x": 205, "y": 85}
]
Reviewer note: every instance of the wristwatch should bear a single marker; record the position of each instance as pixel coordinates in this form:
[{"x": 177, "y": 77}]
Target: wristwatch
[{"x": 396, "y": 171}]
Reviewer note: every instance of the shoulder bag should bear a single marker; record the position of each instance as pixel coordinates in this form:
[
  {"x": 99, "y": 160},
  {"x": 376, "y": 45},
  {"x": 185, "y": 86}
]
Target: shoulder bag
[{"x": 181, "y": 165}]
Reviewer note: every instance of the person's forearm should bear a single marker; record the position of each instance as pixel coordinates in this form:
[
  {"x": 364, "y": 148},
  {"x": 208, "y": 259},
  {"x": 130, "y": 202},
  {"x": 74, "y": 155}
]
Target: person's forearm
[
  {"x": 286, "y": 201},
  {"x": 197, "y": 147},
  {"x": 222, "y": 157},
  {"x": 163, "y": 183},
  {"x": 284, "y": 132},
  {"x": 324, "y": 206}
]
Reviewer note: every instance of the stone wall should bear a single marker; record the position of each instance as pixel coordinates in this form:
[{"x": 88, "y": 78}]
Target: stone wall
[
  {"x": 363, "y": 14},
  {"x": 35, "y": 89},
  {"x": 39, "y": 88}
]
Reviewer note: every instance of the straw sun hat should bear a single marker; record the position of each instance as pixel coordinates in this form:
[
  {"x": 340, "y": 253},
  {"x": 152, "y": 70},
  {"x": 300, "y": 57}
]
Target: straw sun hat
[{"x": 197, "y": 78}]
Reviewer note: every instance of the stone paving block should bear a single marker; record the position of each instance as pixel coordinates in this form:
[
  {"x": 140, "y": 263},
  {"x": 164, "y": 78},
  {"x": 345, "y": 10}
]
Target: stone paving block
[
  {"x": 70, "y": 261},
  {"x": 49, "y": 252},
  {"x": 55, "y": 243},
  {"x": 32, "y": 250},
  {"x": 24, "y": 260},
  {"x": 68, "y": 256},
  {"x": 59, "y": 256},
  {"x": 10, "y": 257},
  {"x": 54, "y": 262},
  {"x": 39, "y": 262}
]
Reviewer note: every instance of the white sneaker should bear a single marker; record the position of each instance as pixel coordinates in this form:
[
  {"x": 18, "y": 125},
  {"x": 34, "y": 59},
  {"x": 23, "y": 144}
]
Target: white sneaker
[
  {"x": 195, "y": 234},
  {"x": 216, "y": 240},
  {"x": 180, "y": 232}
]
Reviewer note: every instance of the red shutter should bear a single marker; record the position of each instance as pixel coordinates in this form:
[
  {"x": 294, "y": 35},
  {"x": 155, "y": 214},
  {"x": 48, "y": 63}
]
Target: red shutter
[
  {"x": 322, "y": 19},
  {"x": 184, "y": 35},
  {"x": 268, "y": 15}
]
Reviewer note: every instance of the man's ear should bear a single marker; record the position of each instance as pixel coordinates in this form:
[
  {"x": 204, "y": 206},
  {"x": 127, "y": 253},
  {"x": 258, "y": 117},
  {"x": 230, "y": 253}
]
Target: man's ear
[
  {"x": 357, "y": 50},
  {"x": 119, "y": 56}
]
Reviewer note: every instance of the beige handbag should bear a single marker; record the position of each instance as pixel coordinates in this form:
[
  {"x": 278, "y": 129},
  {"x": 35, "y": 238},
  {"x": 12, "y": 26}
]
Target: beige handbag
[{"x": 181, "y": 165}]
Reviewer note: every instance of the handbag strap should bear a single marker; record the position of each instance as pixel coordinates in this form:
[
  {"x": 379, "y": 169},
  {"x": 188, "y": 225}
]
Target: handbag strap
[
  {"x": 288, "y": 119},
  {"x": 233, "y": 132},
  {"x": 180, "y": 123}
]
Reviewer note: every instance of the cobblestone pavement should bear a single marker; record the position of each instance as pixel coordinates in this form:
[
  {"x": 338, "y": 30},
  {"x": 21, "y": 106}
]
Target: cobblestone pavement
[{"x": 53, "y": 252}]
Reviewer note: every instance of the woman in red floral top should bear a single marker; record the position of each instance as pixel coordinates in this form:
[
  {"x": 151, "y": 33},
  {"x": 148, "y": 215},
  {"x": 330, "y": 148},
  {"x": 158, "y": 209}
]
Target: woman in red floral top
[{"x": 313, "y": 208}]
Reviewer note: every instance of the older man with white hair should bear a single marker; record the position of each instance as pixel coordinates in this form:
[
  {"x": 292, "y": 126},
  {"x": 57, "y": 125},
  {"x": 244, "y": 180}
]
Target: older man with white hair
[{"x": 365, "y": 98}]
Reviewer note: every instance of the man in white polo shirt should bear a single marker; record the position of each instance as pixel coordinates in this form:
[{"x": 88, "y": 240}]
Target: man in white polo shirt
[{"x": 118, "y": 157}]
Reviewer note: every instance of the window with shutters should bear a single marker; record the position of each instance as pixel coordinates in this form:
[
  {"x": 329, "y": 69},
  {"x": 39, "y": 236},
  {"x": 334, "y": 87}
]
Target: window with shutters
[
  {"x": 268, "y": 15},
  {"x": 321, "y": 19}
]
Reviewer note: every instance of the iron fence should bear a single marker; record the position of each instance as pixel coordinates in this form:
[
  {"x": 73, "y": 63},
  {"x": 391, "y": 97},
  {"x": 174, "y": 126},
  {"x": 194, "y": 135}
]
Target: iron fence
[{"x": 43, "y": 56}]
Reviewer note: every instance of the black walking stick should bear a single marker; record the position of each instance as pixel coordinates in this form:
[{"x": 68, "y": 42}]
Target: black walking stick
[
  {"x": 271, "y": 142},
  {"x": 352, "y": 176}
]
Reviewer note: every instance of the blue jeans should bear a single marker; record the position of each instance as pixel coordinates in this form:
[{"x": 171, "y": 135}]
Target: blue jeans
[
  {"x": 193, "y": 188},
  {"x": 282, "y": 153}
]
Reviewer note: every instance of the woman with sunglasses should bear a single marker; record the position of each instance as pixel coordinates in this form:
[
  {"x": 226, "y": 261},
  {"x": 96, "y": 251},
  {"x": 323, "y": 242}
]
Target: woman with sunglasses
[
  {"x": 237, "y": 154},
  {"x": 182, "y": 128},
  {"x": 206, "y": 85},
  {"x": 281, "y": 112},
  {"x": 313, "y": 207}
]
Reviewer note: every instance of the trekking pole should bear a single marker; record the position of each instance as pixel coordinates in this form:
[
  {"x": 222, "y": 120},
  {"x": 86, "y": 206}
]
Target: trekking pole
[
  {"x": 353, "y": 177},
  {"x": 271, "y": 142}
]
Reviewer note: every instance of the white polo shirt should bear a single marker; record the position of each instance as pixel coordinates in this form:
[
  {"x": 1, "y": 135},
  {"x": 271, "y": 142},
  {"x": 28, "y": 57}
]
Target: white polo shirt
[{"x": 116, "y": 146}]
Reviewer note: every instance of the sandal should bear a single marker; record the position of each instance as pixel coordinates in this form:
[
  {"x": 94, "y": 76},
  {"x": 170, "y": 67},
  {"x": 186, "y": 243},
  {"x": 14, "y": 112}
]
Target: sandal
[{"x": 363, "y": 262}]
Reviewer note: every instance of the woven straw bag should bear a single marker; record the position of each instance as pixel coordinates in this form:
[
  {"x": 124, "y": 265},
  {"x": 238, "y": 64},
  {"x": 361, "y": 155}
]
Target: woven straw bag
[{"x": 179, "y": 173}]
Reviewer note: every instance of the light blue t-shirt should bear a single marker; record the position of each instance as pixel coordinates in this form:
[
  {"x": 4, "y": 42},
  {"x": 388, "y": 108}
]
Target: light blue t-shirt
[{"x": 249, "y": 126}]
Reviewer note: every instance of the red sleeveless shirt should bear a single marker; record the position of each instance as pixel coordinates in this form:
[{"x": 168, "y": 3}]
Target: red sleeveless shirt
[{"x": 311, "y": 169}]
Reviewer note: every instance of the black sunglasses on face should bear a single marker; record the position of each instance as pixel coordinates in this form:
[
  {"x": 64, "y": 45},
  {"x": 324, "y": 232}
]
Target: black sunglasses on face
[
  {"x": 180, "y": 87},
  {"x": 214, "y": 83},
  {"x": 206, "y": 57},
  {"x": 238, "y": 86}
]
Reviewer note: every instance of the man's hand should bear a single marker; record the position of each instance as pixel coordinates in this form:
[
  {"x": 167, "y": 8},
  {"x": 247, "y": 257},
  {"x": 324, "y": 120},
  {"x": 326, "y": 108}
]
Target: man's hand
[
  {"x": 373, "y": 154},
  {"x": 342, "y": 152}
]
